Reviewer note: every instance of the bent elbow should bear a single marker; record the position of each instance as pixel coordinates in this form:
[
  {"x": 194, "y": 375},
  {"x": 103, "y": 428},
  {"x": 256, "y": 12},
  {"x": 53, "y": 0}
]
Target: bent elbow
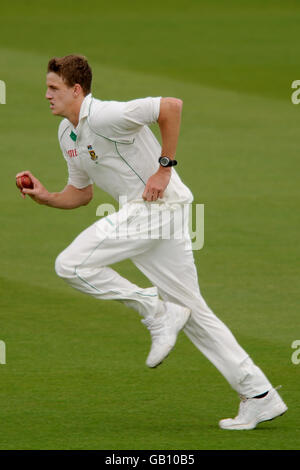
[
  {"x": 179, "y": 103},
  {"x": 175, "y": 103},
  {"x": 170, "y": 107},
  {"x": 88, "y": 193},
  {"x": 87, "y": 201}
]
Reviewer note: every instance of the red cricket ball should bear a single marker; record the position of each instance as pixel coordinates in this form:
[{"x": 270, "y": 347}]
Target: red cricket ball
[{"x": 24, "y": 182}]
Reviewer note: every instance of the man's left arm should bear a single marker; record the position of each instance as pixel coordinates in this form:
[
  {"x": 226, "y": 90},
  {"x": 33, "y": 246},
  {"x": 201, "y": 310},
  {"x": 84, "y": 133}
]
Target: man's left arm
[{"x": 169, "y": 124}]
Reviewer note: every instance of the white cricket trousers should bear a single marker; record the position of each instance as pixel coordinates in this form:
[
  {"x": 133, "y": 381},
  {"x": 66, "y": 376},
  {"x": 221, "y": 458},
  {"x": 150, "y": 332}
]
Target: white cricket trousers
[{"x": 169, "y": 265}]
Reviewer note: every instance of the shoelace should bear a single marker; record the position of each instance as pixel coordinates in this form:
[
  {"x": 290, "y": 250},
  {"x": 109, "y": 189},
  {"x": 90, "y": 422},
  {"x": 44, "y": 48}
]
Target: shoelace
[
  {"x": 147, "y": 321},
  {"x": 242, "y": 408},
  {"x": 154, "y": 326}
]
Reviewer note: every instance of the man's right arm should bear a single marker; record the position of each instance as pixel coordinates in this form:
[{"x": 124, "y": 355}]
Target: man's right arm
[{"x": 69, "y": 198}]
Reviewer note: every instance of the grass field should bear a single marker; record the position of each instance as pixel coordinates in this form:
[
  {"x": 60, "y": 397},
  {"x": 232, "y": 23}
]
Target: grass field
[{"x": 75, "y": 376}]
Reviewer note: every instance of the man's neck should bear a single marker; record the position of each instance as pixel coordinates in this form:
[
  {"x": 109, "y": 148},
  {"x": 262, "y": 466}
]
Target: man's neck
[{"x": 73, "y": 116}]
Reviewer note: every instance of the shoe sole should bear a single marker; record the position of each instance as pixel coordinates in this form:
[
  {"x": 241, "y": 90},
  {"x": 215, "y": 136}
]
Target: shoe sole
[
  {"x": 187, "y": 313},
  {"x": 248, "y": 427}
]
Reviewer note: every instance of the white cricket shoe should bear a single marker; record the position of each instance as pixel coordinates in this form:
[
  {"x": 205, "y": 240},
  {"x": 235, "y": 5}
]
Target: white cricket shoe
[
  {"x": 164, "y": 330},
  {"x": 255, "y": 410}
]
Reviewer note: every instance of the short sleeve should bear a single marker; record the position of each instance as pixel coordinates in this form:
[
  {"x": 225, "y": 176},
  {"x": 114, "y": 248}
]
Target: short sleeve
[
  {"x": 77, "y": 177},
  {"x": 124, "y": 118},
  {"x": 140, "y": 112}
]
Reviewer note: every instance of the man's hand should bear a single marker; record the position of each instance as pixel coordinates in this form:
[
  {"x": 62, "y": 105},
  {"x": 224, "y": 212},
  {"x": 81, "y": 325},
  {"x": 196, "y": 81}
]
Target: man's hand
[
  {"x": 69, "y": 198},
  {"x": 169, "y": 125},
  {"x": 157, "y": 184},
  {"x": 39, "y": 193}
]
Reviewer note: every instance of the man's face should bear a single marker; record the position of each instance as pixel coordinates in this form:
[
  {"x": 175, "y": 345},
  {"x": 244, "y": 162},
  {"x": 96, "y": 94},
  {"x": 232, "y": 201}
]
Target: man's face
[{"x": 60, "y": 96}]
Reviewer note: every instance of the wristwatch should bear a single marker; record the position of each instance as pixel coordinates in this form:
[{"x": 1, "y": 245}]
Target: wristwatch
[{"x": 166, "y": 161}]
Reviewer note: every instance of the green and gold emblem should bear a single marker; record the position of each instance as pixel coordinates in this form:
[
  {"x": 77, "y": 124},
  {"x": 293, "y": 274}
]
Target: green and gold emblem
[{"x": 94, "y": 157}]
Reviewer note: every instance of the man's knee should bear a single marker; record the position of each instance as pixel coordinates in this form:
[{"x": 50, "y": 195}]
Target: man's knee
[{"x": 63, "y": 266}]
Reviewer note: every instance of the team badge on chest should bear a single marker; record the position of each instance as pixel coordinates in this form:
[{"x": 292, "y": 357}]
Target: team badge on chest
[{"x": 94, "y": 157}]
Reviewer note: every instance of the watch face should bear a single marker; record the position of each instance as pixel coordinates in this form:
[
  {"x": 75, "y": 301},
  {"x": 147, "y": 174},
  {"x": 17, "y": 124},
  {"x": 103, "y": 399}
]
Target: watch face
[{"x": 164, "y": 161}]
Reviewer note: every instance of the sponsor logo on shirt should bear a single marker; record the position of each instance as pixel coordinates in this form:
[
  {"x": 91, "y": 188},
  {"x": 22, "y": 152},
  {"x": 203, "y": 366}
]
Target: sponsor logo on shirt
[{"x": 72, "y": 153}]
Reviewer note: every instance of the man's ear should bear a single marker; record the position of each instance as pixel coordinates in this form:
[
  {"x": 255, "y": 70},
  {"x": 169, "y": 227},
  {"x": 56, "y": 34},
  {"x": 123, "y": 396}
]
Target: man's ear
[{"x": 77, "y": 90}]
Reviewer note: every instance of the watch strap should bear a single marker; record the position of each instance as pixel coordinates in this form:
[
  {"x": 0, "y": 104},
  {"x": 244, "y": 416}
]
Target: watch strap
[{"x": 170, "y": 162}]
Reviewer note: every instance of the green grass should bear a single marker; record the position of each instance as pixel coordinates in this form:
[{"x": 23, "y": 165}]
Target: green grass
[{"x": 75, "y": 376}]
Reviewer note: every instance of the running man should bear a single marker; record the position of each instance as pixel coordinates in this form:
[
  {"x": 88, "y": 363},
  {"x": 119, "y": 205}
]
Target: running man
[{"x": 109, "y": 144}]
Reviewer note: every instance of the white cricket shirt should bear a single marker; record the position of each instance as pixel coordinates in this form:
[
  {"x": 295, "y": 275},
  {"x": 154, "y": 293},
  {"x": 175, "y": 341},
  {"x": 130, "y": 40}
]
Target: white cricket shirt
[{"x": 113, "y": 147}]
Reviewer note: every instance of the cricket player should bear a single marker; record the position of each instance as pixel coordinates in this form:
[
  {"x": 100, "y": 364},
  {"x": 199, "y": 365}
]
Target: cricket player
[{"x": 109, "y": 144}]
